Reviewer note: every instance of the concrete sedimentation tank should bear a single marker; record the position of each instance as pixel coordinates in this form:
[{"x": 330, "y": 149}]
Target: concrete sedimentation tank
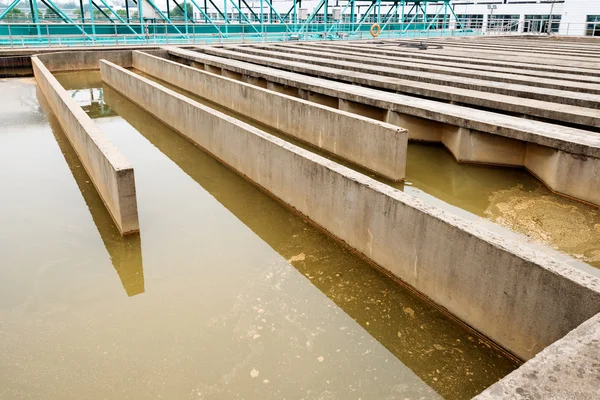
[{"x": 423, "y": 223}]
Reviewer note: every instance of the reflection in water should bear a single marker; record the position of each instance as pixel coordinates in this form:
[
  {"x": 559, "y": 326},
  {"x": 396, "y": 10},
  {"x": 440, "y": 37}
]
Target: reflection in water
[
  {"x": 125, "y": 252},
  {"x": 82, "y": 89},
  {"x": 454, "y": 361}
]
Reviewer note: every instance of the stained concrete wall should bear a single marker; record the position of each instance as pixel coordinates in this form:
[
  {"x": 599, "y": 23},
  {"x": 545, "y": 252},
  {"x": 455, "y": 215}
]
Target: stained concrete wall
[
  {"x": 474, "y": 137},
  {"x": 376, "y": 146},
  {"x": 80, "y": 60},
  {"x": 518, "y": 297},
  {"x": 567, "y": 369},
  {"x": 109, "y": 171}
]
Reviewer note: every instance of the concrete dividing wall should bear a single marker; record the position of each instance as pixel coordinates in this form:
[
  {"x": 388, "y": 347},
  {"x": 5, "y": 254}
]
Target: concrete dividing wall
[
  {"x": 80, "y": 60},
  {"x": 109, "y": 171},
  {"x": 522, "y": 299},
  {"x": 566, "y": 370},
  {"x": 373, "y": 145},
  {"x": 472, "y": 136}
]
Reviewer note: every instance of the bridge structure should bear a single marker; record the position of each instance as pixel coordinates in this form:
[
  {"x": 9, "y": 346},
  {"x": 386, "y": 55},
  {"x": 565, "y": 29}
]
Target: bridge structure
[{"x": 48, "y": 23}]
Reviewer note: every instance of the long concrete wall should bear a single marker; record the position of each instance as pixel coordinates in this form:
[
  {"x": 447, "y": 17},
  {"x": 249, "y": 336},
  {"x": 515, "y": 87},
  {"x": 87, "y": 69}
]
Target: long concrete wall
[
  {"x": 82, "y": 60},
  {"x": 573, "y": 109},
  {"x": 518, "y": 297},
  {"x": 109, "y": 171},
  {"x": 551, "y": 152},
  {"x": 567, "y": 369},
  {"x": 374, "y": 145}
]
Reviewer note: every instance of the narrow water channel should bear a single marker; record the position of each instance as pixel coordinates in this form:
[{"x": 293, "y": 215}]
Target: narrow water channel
[
  {"x": 205, "y": 302},
  {"x": 509, "y": 197}
]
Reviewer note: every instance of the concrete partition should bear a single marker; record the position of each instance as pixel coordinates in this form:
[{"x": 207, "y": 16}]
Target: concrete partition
[
  {"x": 376, "y": 146},
  {"x": 518, "y": 297},
  {"x": 81, "y": 60},
  {"x": 108, "y": 170},
  {"x": 471, "y": 135}
]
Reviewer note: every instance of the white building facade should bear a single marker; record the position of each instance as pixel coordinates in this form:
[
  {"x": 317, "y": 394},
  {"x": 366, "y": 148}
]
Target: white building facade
[{"x": 567, "y": 17}]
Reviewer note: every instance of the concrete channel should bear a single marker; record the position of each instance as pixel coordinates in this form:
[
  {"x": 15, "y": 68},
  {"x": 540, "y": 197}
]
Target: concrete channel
[
  {"x": 462, "y": 130},
  {"x": 527, "y": 300},
  {"x": 376, "y": 241}
]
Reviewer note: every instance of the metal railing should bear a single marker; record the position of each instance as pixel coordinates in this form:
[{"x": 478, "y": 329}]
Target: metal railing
[{"x": 162, "y": 34}]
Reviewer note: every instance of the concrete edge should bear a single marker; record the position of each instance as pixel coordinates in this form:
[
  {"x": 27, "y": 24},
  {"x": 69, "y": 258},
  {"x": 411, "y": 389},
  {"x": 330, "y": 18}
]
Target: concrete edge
[
  {"x": 348, "y": 131},
  {"x": 568, "y": 139},
  {"x": 109, "y": 171},
  {"x": 525, "y": 305},
  {"x": 567, "y": 369}
]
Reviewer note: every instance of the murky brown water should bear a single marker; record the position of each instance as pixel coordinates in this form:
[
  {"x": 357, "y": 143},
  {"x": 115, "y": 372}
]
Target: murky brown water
[{"x": 204, "y": 303}]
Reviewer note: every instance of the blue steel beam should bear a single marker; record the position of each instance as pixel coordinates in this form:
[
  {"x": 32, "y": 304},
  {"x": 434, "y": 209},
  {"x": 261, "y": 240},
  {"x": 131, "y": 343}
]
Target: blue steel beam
[
  {"x": 361, "y": 21},
  {"x": 205, "y": 15},
  {"x": 242, "y": 14},
  {"x": 391, "y": 11},
  {"x": 120, "y": 19},
  {"x": 312, "y": 16},
  {"x": 9, "y": 8},
  {"x": 163, "y": 16},
  {"x": 64, "y": 16}
]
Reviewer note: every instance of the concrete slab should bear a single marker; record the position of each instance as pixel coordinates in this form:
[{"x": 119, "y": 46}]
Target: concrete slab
[
  {"x": 466, "y": 58},
  {"x": 108, "y": 170},
  {"x": 567, "y": 369},
  {"x": 582, "y": 99},
  {"x": 471, "y": 146},
  {"x": 541, "y": 79},
  {"x": 373, "y": 145},
  {"x": 540, "y": 109}
]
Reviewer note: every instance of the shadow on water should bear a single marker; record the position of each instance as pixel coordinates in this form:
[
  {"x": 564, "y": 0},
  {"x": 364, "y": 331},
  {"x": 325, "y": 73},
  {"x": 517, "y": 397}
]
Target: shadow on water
[
  {"x": 453, "y": 360},
  {"x": 125, "y": 252}
]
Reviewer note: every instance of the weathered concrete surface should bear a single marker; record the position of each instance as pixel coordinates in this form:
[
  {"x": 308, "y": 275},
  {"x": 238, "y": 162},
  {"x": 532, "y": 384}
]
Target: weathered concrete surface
[
  {"x": 572, "y": 140},
  {"x": 467, "y": 58},
  {"x": 108, "y": 170},
  {"x": 450, "y": 71},
  {"x": 520, "y": 298},
  {"x": 571, "y": 62},
  {"x": 569, "y": 369},
  {"x": 571, "y": 109},
  {"x": 495, "y": 139},
  {"x": 396, "y": 69},
  {"x": 80, "y": 60},
  {"x": 441, "y": 61},
  {"x": 376, "y": 146}
]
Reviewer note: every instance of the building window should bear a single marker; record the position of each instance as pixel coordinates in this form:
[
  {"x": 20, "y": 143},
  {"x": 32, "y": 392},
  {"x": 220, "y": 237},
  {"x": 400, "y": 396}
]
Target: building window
[
  {"x": 593, "y": 25},
  {"x": 539, "y": 23},
  {"x": 504, "y": 22},
  {"x": 470, "y": 21}
]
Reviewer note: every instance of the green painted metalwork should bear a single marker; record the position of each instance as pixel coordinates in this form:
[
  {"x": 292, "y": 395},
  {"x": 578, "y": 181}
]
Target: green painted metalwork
[{"x": 249, "y": 24}]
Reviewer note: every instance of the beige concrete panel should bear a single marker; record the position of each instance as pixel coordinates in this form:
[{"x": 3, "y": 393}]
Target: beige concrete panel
[
  {"x": 108, "y": 170},
  {"x": 518, "y": 297},
  {"x": 483, "y": 148},
  {"x": 318, "y": 98},
  {"x": 376, "y": 113},
  {"x": 569, "y": 174},
  {"x": 543, "y": 162},
  {"x": 287, "y": 90},
  {"x": 376, "y": 146},
  {"x": 260, "y": 82},
  {"x": 419, "y": 129},
  {"x": 80, "y": 60},
  {"x": 567, "y": 369},
  {"x": 232, "y": 75},
  {"x": 212, "y": 70}
]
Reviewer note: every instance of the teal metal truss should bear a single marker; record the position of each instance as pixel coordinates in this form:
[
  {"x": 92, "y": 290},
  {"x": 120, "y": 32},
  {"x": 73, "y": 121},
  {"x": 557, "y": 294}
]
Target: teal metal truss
[{"x": 139, "y": 20}]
